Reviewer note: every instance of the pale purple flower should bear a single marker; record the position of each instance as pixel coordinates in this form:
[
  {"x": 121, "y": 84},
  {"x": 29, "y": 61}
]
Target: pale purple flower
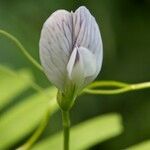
[{"x": 71, "y": 48}]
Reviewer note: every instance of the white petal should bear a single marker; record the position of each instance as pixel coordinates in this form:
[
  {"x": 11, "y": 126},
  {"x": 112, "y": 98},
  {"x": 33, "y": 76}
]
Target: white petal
[
  {"x": 71, "y": 62},
  {"x": 86, "y": 30},
  {"x": 87, "y": 34},
  {"x": 71, "y": 47},
  {"x": 88, "y": 60},
  {"x": 55, "y": 46},
  {"x": 75, "y": 69},
  {"x": 82, "y": 64}
]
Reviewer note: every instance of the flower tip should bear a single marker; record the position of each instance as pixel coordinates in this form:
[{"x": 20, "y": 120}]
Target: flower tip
[{"x": 83, "y": 7}]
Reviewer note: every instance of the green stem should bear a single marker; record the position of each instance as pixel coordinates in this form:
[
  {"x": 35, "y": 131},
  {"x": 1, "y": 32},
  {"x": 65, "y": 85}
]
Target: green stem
[
  {"x": 66, "y": 128},
  {"x": 21, "y": 47},
  {"x": 127, "y": 88},
  {"x": 106, "y": 83}
]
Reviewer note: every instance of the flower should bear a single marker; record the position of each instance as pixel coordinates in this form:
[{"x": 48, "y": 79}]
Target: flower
[{"x": 71, "y": 49}]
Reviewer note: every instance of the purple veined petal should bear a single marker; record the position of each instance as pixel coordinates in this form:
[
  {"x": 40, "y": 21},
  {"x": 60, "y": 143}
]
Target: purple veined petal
[
  {"x": 86, "y": 30},
  {"x": 82, "y": 27},
  {"x": 50, "y": 69},
  {"x": 88, "y": 36},
  {"x": 57, "y": 32},
  {"x": 93, "y": 40},
  {"x": 55, "y": 47},
  {"x": 71, "y": 48}
]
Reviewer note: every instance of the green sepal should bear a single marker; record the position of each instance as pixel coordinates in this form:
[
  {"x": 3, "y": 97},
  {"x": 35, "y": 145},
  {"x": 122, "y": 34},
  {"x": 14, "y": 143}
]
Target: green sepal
[{"x": 66, "y": 99}]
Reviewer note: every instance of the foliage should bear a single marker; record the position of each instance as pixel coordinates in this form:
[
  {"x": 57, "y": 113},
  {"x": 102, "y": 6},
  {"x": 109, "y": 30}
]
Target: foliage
[
  {"x": 86, "y": 134},
  {"x": 22, "y": 118},
  {"x": 141, "y": 146}
]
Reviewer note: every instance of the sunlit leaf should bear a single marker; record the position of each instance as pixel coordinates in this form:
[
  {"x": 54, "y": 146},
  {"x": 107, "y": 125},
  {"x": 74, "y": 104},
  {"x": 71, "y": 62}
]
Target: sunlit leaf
[
  {"x": 86, "y": 134},
  {"x": 12, "y": 84},
  {"x": 141, "y": 146},
  {"x": 20, "y": 120}
]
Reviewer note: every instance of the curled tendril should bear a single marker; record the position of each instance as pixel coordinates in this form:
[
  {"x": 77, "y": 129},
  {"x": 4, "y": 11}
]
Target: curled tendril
[{"x": 120, "y": 87}]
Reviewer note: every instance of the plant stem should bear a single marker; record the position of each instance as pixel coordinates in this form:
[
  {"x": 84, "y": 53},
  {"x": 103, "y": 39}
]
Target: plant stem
[
  {"x": 36, "y": 135},
  {"x": 22, "y": 49},
  {"x": 107, "y": 83},
  {"x": 120, "y": 90},
  {"x": 66, "y": 128}
]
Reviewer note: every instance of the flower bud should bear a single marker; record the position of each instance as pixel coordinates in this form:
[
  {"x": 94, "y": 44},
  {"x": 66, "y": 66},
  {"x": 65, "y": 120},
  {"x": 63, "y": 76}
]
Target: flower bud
[{"x": 71, "y": 49}]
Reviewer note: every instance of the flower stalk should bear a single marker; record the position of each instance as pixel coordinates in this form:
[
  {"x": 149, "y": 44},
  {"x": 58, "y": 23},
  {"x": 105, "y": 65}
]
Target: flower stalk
[
  {"x": 66, "y": 128},
  {"x": 65, "y": 101}
]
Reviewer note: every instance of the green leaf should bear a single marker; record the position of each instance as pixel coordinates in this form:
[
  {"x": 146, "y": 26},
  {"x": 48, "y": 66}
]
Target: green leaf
[
  {"x": 12, "y": 84},
  {"x": 85, "y": 134},
  {"x": 141, "y": 146},
  {"x": 20, "y": 120}
]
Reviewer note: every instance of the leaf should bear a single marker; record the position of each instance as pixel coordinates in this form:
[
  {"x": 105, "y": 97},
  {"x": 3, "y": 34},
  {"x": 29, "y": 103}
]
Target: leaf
[
  {"x": 20, "y": 120},
  {"x": 85, "y": 134},
  {"x": 141, "y": 146},
  {"x": 12, "y": 84}
]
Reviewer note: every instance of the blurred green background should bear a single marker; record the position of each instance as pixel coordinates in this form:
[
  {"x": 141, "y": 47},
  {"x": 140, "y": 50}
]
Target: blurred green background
[{"x": 125, "y": 30}]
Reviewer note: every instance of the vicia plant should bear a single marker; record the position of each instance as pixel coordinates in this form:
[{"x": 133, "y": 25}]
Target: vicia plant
[{"x": 71, "y": 52}]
